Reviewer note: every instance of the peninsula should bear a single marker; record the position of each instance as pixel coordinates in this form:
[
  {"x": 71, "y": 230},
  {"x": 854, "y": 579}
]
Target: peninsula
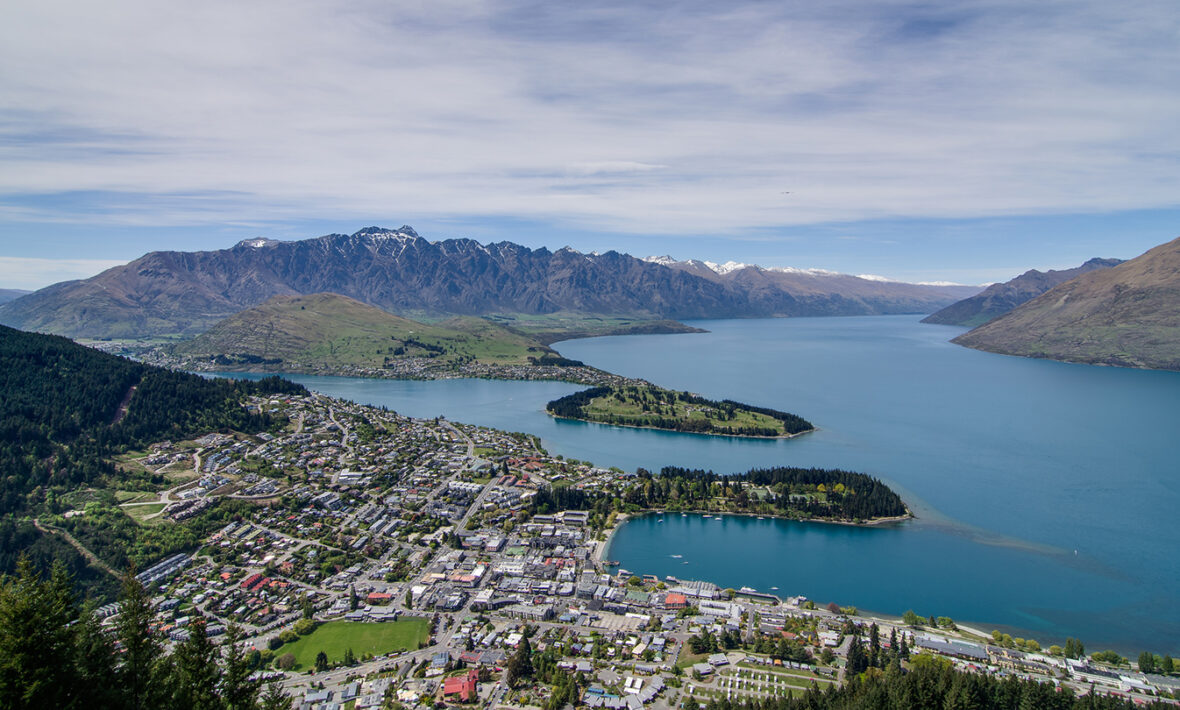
[
  {"x": 650, "y": 407},
  {"x": 816, "y": 494}
]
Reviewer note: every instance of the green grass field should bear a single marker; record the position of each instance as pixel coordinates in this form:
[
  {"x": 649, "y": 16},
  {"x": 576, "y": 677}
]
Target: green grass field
[
  {"x": 335, "y": 637},
  {"x": 139, "y": 513}
]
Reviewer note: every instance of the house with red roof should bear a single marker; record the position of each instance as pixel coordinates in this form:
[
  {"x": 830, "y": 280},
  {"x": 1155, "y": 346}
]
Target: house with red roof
[{"x": 461, "y": 686}]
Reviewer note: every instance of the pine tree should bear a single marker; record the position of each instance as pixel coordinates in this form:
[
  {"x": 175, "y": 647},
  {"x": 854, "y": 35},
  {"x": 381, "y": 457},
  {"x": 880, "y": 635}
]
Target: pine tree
[
  {"x": 875, "y": 646},
  {"x": 237, "y": 689},
  {"x": 196, "y": 673},
  {"x": 321, "y": 662},
  {"x": 139, "y": 668},
  {"x": 36, "y": 642},
  {"x": 274, "y": 698},
  {"x": 94, "y": 661},
  {"x": 858, "y": 660},
  {"x": 521, "y": 663}
]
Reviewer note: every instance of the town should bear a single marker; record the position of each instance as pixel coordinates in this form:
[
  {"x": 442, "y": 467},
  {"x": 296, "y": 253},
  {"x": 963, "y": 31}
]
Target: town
[{"x": 377, "y": 559}]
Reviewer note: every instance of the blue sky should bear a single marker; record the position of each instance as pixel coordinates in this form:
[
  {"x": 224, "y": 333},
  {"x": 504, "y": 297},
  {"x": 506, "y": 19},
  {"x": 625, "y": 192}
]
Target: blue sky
[{"x": 923, "y": 141}]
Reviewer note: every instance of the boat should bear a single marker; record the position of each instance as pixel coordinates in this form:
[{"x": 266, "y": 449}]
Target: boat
[
  {"x": 677, "y": 556},
  {"x": 748, "y": 589}
]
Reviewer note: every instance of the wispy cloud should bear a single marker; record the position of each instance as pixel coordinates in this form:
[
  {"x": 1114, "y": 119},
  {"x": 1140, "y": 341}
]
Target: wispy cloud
[
  {"x": 34, "y": 273},
  {"x": 615, "y": 116}
]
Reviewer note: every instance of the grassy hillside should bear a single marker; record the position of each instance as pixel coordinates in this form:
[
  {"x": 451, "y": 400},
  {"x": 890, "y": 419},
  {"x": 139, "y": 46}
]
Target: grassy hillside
[
  {"x": 1126, "y": 315},
  {"x": 330, "y": 331},
  {"x": 565, "y": 325}
]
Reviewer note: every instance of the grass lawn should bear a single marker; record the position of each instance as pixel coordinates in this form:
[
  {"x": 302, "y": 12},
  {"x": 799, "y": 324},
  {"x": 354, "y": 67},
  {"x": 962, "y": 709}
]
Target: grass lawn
[
  {"x": 335, "y": 637},
  {"x": 138, "y": 513}
]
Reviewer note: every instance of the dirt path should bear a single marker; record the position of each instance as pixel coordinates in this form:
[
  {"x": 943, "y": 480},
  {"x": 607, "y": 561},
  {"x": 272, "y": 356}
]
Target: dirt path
[
  {"x": 122, "y": 410},
  {"x": 90, "y": 557}
]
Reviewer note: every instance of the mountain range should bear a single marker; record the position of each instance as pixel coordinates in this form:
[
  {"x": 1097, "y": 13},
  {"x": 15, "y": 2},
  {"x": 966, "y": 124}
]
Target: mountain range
[
  {"x": 1128, "y": 314},
  {"x": 11, "y": 294},
  {"x": 998, "y": 299},
  {"x": 185, "y": 293}
]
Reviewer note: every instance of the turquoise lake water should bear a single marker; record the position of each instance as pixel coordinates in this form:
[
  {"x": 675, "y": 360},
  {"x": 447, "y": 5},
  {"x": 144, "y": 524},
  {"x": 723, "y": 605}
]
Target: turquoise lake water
[{"x": 1047, "y": 494}]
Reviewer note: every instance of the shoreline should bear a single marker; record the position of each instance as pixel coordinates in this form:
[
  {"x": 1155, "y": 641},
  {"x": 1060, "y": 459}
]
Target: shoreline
[
  {"x": 621, "y": 518},
  {"x": 965, "y": 630},
  {"x": 677, "y": 431}
]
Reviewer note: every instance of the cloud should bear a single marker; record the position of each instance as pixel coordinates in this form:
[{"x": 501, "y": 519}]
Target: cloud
[
  {"x": 33, "y": 273},
  {"x": 610, "y": 116}
]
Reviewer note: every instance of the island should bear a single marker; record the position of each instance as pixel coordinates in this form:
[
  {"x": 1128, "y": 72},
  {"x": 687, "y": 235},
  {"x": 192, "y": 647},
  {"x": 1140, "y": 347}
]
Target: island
[{"x": 650, "y": 407}]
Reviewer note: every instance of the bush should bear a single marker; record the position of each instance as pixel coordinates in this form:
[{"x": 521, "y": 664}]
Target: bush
[
  {"x": 286, "y": 661},
  {"x": 304, "y": 627},
  {"x": 274, "y": 642},
  {"x": 287, "y": 636}
]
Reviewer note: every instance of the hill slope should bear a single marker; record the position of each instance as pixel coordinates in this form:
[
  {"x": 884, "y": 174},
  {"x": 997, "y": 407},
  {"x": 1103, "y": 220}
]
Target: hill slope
[
  {"x": 181, "y": 293},
  {"x": 1126, "y": 315},
  {"x": 327, "y": 330},
  {"x": 66, "y": 410},
  {"x": 998, "y": 299}
]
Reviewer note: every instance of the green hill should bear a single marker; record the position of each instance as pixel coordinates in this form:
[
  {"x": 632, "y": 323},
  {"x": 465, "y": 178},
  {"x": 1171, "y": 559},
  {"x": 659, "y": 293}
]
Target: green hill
[{"x": 327, "y": 331}]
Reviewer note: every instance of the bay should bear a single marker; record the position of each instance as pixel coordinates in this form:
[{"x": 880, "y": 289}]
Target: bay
[{"x": 1047, "y": 493}]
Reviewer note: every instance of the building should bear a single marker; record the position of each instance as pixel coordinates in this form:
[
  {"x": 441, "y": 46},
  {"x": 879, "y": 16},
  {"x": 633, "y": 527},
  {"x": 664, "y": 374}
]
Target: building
[{"x": 463, "y": 687}]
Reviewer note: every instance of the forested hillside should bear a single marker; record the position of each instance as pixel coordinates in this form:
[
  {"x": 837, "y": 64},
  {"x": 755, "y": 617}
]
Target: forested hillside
[{"x": 65, "y": 410}]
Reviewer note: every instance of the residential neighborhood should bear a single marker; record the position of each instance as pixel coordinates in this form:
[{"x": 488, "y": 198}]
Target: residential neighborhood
[{"x": 406, "y": 558}]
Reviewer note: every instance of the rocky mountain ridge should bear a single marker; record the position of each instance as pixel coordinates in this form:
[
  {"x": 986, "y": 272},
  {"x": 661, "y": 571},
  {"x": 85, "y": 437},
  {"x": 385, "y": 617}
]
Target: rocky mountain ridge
[
  {"x": 185, "y": 293},
  {"x": 1127, "y": 315},
  {"x": 998, "y": 299}
]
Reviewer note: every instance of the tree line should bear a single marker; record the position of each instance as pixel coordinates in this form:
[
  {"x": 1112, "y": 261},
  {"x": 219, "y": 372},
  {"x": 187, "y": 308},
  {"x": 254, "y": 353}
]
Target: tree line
[
  {"x": 660, "y": 405},
  {"x": 930, "y": 685},
  {"x": 795, "y": 492}
]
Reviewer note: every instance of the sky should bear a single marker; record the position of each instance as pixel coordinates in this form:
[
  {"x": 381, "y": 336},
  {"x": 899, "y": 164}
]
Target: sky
[{"x": 922, "y": 141}]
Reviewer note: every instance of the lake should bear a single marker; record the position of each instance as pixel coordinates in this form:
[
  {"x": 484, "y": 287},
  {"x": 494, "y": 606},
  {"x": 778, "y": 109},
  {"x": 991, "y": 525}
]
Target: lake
[{"x": 1047, "y": 493}]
